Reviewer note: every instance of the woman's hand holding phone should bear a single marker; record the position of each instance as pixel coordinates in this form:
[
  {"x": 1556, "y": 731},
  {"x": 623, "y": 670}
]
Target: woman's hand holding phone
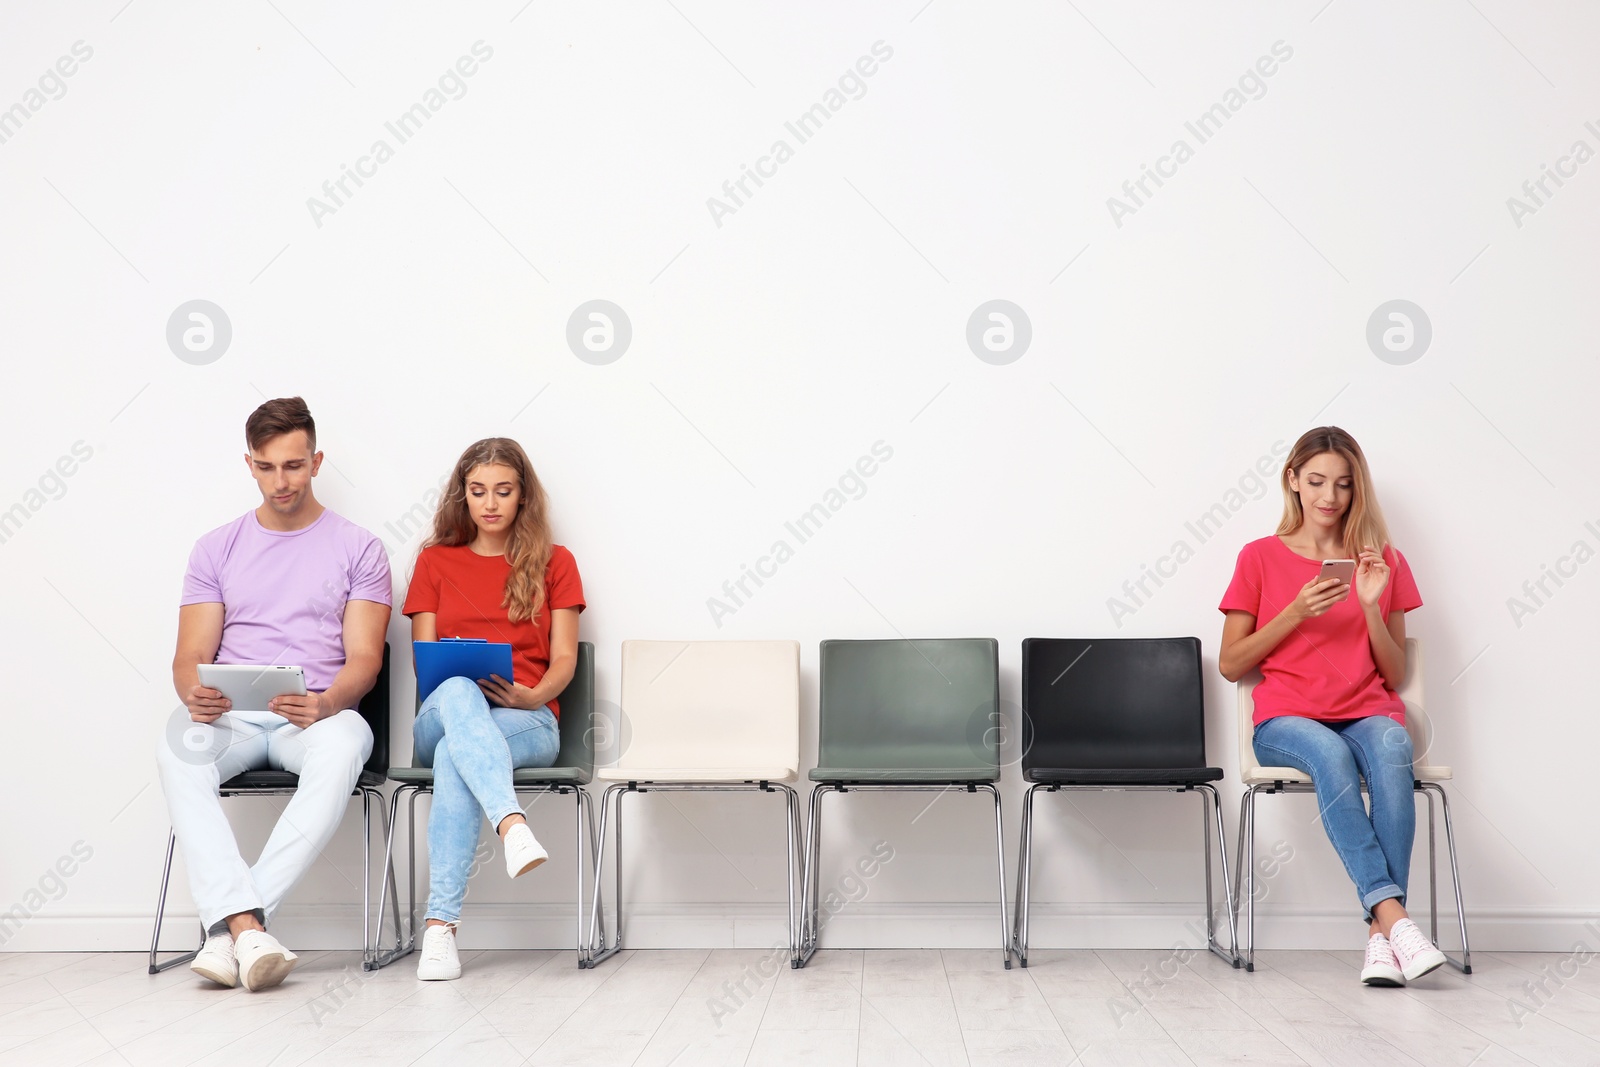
[{"x": 1316, "y": 597}]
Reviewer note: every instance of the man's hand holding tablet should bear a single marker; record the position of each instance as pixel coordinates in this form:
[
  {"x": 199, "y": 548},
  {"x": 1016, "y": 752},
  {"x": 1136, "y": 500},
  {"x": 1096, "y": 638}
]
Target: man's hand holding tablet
[
  {"x": 302, "y": 710},
  {"x": 206, "y": 704}
]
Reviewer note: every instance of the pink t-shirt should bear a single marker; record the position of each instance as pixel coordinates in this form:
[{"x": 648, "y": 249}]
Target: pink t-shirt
[
  {"x": 1324, "y": 669},
  {"x": 283, "y": 592}
]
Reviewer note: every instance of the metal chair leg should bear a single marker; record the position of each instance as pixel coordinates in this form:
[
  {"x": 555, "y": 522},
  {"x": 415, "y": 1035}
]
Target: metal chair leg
[
  {"x": 1019, "y": 922},
  {"x": 161, "y": 910},
  {"x": 1464, "y": 964},
  {"x": 582, "y": 950},
  {"x": 811, "y": 880},
  {"x": 1248, "y": 879},
  {"x": 1000, "y": 867},
  {"x": 1433, "y": 872},
  {"x": 594, "y": 861},
  {"x": 598, "y": 950},
  {"x": 366, "y": 875},
  {"x": 790, "y": 873},
  {"x": 1210, "y": 799},
  {"x": 389, "y": 889}
]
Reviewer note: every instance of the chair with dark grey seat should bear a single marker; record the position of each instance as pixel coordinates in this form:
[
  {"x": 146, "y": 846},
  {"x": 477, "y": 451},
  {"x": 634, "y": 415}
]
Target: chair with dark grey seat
[
  {"x": 906, "y": 716},
  {"x": 572, "y": 770},
  {"x": 374, "y": 708},
  {"x": 1117, "y": 714}
]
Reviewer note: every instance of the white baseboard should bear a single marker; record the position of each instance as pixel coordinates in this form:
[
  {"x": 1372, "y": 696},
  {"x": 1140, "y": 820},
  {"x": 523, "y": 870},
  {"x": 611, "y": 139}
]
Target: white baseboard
[{"x": 857, "y": 925}]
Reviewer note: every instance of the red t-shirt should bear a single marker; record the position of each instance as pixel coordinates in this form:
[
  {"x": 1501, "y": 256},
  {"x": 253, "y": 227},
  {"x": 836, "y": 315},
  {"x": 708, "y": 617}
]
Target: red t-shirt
[
  {"x": 466, "y": 590},
  {"x": 1324, "y": 669}
]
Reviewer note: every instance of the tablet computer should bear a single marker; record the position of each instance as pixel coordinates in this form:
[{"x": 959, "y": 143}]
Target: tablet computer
[
  {"x": 458, "y": 657},
  {"x": 250, "y": 686}
]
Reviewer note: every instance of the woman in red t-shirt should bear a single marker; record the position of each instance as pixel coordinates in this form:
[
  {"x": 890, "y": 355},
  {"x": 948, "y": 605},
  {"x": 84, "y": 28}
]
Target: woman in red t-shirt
[
  {"x": 1330, "y": 664},
  {"x": 488, "y": 571}
]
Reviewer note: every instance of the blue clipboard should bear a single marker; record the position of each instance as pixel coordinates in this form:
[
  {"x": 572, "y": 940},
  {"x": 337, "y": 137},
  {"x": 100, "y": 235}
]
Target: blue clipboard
[{"x": 464, "y": 657}]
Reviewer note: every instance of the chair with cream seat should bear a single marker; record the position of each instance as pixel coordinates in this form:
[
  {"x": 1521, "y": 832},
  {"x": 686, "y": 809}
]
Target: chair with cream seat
[
  {"x": 702, "y": 716},
  {"x": 1429, "y": 779}
]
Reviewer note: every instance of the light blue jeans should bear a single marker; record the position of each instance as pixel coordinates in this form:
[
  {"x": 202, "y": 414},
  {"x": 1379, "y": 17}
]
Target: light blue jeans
[
  {"x": 1375, "y": 848},
  {"x": 472, "y": 748}
]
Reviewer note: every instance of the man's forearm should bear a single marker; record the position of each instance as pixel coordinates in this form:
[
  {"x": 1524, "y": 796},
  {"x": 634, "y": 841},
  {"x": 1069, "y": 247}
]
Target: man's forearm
[
  {"x": 354, "y": 681},
  {"x": 185, "y": 676}
]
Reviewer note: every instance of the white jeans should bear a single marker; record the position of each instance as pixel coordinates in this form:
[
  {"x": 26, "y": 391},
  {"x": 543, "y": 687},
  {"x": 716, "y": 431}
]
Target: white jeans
[{"x": 328, "y": 757}]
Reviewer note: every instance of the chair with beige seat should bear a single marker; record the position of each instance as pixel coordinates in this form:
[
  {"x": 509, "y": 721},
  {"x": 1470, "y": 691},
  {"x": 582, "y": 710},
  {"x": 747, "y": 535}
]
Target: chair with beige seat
[
  {"x": 1429, "y": 779},
  {"x": 704, "y": 716}
]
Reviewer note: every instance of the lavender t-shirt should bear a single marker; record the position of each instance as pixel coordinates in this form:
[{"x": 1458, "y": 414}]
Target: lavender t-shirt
[{"x": 283, "y": 592}]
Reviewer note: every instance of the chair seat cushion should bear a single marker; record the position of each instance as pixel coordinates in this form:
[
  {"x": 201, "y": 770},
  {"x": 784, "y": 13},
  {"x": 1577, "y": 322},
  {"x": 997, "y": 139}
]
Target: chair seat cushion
[
  {"x": 1262, "y": 775},
  {"x": 252, "y": 780},
  {"x": 1123, "y": 775},
  {"x": 696, "y": 774},
  {"x": 521, "y": 776},
  {"x": 906, "y": 775}
]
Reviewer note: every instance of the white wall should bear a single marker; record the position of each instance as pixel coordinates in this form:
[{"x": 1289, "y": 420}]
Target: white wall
[{"x": 1169, "y": 353}]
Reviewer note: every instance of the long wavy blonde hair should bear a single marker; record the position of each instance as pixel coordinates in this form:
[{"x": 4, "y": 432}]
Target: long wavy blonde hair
[
  {"x": 1363, "y": 520},
  {"x": 527, "y": 548}
]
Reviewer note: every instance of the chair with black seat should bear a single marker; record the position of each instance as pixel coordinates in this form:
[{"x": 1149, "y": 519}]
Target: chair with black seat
[
  {"x": 572, "y": 770},
  {"x": 904, "y": 716},
  {"x": 1117, "y": 714},
  {"x": 374, "y": 708}
]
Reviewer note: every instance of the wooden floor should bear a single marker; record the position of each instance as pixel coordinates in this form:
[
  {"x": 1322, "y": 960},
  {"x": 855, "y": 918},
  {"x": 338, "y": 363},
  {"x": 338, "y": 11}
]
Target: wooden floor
[{"x": 686, "y": 1008}]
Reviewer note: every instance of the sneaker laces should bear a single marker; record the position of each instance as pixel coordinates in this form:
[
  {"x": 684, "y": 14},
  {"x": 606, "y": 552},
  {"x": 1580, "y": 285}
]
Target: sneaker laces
[
  {"x": 1409, "y": 939},
  {"x": 436, "y": 947},
  {"x": 221, "y": 945},
  {"x": 1380, "y": 951}
]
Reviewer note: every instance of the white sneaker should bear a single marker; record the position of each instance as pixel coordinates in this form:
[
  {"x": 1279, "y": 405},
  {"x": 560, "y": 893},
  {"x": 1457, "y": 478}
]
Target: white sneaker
[
  {"x": 1382, "y": 968},
  {"x": 216, "y": 961},
  {"x": 1416, "y": 954},
  {"x": 440, "y": 962},
  {"x": 523, "y": 851},
  {"x": 263, "y": 962}
]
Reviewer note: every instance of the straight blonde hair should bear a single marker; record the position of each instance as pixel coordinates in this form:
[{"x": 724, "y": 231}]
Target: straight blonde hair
[{"x": 1363, "y": 520}]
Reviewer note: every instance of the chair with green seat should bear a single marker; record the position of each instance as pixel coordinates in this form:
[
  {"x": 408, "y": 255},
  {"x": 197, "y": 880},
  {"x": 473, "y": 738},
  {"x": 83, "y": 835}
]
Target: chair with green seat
[
  {"x": 905, "y": 716},
  {"x": 572, "y": 770}
]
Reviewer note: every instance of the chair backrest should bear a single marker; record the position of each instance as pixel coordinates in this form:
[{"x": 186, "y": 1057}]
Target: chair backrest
[
  {"x": 909, "y": 704},
  {"x": 1418, "y": 724},
  {"x": 576, "y": 720},
  {"x": 1134, "y": 703},
  {"x": 374, "y": 707},
  {"x": 577, "y": 716},
  {"x": 710, "y": 705}
]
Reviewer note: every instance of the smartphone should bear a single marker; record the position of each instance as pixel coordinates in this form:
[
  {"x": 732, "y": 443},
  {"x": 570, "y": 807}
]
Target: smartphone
[{"x": 1342, "y": 569}]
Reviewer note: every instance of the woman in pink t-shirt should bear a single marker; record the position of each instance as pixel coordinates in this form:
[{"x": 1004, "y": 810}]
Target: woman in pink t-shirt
[{"x": 1330, "y": 664}]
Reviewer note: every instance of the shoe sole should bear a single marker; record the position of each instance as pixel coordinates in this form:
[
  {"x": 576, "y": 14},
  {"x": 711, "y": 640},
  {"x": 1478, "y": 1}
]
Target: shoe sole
[
  {"x": 442, "y": 977},
  {"x": 1385, "y": 981},
  {"x": 530, "y": 866},
  {"x": 1415, "y": 971},
  {"x": 268, "y": 971},
  {"x": 228, "y": 980}
]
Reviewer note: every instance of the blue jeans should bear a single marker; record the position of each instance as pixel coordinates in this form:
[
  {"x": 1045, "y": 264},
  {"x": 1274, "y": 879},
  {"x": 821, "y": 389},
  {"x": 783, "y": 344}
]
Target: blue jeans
[
  {"x": 472, "y": 748},
  {"x": 1375, "y": 848}
]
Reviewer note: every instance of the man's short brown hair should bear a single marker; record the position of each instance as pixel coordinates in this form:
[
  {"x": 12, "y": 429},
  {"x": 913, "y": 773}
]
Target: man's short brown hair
[{"x": 277, "y": 417}]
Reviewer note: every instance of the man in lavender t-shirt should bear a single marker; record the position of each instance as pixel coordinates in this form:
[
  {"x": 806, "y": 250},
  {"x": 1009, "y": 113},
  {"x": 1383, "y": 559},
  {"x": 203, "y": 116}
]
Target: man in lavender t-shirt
[{"x": 289, "y": 583}]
